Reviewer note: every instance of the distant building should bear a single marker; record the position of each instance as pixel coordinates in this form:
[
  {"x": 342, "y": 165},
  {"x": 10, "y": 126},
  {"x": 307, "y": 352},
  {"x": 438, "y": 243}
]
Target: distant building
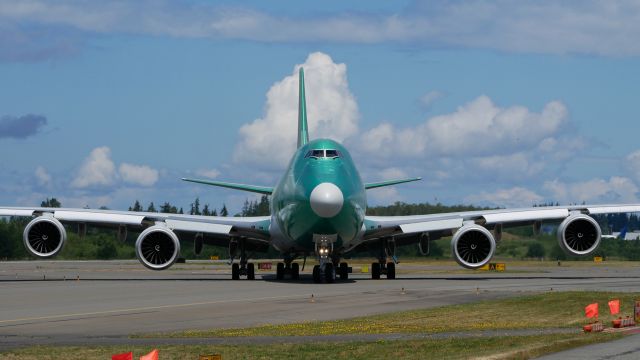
[{"x": 631, "y": 235}]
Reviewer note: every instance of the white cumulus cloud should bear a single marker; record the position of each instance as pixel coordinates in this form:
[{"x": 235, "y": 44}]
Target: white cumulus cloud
[
  {"x": 43, "y": 177},
  {"x": 331, "y": 112},
  {"x": 513, "y": 197},
  {"x": 479, "y": 140},
  {"x": 608, "y": 28},
  {"x": 208, "y": 173},
  {"x": 615, "y": 190},
  {"x": 632, "y": 165},
  {"x": 97, "y": 169},
  {"x": 479, "y": 127},
  {"x": 429, "y": 98},
  {"x": 138, "y": 174}
]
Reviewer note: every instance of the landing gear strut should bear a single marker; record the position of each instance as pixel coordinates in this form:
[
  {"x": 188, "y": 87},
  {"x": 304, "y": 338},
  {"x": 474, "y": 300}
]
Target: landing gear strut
[
  {"x": 245, "y": 268},
  {"x": 288, "y": 267},
  {"x": 382, "y": 266},
  {"x": 330, "y": 265}
]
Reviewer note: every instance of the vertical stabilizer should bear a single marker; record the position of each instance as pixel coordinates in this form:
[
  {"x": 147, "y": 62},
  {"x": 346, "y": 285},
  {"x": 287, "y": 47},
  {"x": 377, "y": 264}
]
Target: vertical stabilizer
[{"x": 303, "y": 131}]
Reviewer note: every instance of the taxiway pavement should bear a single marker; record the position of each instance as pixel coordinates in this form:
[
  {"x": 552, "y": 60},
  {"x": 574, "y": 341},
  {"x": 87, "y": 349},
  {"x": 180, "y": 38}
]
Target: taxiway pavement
[{"x": 80, "y": 302}]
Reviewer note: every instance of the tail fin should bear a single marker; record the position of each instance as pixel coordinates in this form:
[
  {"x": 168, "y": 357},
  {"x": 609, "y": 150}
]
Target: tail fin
[
  {"x": 623, "y": 232},
  {"x": 303, "y": 131}
]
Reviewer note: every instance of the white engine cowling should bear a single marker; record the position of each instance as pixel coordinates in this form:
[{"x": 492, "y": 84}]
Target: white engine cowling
[
  {"x": 44, "y": 237},
  {"x": 157, "y": 247},
  {"x": 473, "y": 246},
  {"x": 579, "y": 234}
]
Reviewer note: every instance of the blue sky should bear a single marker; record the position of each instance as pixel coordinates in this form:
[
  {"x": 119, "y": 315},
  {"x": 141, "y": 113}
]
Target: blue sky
[{"x": 495, "y": 103}]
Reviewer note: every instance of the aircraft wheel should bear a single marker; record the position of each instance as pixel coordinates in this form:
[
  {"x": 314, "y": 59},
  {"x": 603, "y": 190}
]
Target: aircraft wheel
[
  {"x": 235, "y": 271},
  {"x": 344, "y": 271},
  {"x": 280, "y": 271},
  {"x": 375, "y": 271},
  {"x": 251, "y": 271},
  {"x": 329, "y": 273},
  {"x": 391, "y": 270},
  {"x": 316, "y": 274},
  {"x": 295, "y": 271}
]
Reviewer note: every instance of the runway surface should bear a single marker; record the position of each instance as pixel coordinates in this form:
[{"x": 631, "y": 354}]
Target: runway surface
[{"x": 76, "y": 302}]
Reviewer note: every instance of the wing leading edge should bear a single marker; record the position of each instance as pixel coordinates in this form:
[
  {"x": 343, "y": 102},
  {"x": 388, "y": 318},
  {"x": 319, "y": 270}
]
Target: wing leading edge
[
  {"x": 475, "y": 234},
  {"x": 158, "y": 244}
]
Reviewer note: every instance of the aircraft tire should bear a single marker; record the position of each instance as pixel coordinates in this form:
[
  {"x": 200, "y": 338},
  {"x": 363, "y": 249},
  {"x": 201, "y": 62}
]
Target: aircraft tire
[
  {"x": 344, "y": 271},
  {"x": 391, "y": 270},
  {"x": 295, "y": 271},
  {"x": 316, "y": 274},
  {"x": 375, "y": 271},
  {"x": 251, "y": 271},
  {"x": 235, "y": 271},
  {"x": 329, "y": 273},
  {"x": 280, "y": 271}
]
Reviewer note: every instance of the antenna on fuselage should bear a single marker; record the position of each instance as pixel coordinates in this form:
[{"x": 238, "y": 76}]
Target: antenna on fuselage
[{"x": 303, "y": 130}]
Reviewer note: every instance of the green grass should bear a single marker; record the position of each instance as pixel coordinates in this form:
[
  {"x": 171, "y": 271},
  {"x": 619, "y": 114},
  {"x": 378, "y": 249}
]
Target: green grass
[
  {"x": 509, "y": 347},
  {"x": 548, "y": 310}
]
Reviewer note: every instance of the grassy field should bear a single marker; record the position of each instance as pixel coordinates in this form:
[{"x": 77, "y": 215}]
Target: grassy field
[
  {"x": 548, "y": 310},
  {"x": 511, "y": 347}
]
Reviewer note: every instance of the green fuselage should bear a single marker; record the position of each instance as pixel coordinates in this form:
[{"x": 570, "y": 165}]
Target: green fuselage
[{"x": 295, "y": 219}]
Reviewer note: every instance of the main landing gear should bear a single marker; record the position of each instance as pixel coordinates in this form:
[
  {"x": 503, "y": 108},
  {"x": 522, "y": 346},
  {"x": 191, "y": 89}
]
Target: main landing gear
[
  {"x": 382, "y": 267},
  {"x": 245, "y": 268},
  {"x": 388, "y": 269},
  {"x": 288, "y": 267}
]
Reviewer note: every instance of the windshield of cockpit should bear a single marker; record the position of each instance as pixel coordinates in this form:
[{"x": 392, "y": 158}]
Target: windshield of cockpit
[{"x": 323, "y": 154}]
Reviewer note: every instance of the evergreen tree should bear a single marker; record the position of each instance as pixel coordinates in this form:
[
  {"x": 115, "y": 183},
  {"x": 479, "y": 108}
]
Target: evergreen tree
[
  {"x": 136, "y": 206},
  {"x": 205, "y": 210},
  {"x": 195, "y": 207},
  {"x": 223, "y": 211},
  {"x": 245, "y": 208},
  {"x": 262, "y": 209},
  {"x": 51, "y": 203},
  {"x": 151, "y": 207},
  {"x": 167, "y": 208},
  {"x": 214, "y": 212},
  {"x": 181, "y": 211}
]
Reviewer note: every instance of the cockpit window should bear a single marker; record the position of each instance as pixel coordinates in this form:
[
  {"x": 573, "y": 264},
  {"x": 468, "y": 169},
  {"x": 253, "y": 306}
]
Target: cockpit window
[
  {"x": 331, "y": 153},
  {"x": 322, "y": 153}
]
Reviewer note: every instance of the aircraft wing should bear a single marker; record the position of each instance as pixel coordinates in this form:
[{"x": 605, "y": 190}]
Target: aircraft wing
[
  {"x": 380, "y": 226},
  {"x": 161, "y": 229},
  {"x": 476, "y": 233}
]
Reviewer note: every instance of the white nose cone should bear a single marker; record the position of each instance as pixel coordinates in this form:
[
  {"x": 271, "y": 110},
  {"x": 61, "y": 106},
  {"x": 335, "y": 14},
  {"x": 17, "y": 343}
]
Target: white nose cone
[{"x": 326, "y": 200}]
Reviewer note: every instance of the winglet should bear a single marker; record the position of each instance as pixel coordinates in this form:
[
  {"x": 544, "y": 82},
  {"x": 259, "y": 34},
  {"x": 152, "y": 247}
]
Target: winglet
[
  {"x": 251, "y": 188},
  {"x": 303, "y": 131},
  {"x": 389, "y": 182}
]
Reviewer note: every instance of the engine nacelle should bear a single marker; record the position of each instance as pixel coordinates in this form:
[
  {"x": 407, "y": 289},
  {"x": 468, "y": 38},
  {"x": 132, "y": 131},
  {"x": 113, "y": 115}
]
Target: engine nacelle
[
  {"x": 579, "y": 234},
  {"x": 157, "y": 247},
  {"x": 473, "y": 246},
  {"x": 44, "y": 237}
]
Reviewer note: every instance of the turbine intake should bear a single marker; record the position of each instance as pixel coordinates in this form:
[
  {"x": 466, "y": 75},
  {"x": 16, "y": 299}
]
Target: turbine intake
[{"x": 473, "y": 246}]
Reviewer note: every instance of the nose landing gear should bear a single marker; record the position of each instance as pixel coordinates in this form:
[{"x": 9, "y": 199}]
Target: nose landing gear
[{"x": 330, "y": 266}]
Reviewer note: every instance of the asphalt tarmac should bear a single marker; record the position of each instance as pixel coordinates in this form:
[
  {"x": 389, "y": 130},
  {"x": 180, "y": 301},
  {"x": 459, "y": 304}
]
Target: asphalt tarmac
[{"x": 85, "y": 302}]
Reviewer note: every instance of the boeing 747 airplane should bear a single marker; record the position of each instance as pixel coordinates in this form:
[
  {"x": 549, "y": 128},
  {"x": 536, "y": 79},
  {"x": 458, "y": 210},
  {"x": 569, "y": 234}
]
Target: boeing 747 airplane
[{"x": 318, "y": 208}]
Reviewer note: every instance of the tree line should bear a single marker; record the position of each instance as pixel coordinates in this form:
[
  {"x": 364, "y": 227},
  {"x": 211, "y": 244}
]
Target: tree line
[{"x": 516, "y": 243}]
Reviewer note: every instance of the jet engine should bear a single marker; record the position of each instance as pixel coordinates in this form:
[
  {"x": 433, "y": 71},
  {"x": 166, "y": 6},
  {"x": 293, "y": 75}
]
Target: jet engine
[
  {"x": 579, "y": 234},
  {"x": 44, "y": 237},
  {"x": 473, "y": 246},
  {"x": 157, "y": 247}
]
